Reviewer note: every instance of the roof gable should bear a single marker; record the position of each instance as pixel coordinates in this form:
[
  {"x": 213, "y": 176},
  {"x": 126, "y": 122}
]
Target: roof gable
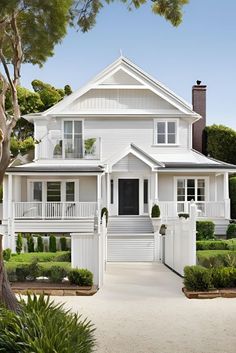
[{"x": 124, "y": 75}]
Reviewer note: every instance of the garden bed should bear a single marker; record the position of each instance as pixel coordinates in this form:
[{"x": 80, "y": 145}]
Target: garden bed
[
  {"x": 52, "y": 289},
  {"x": 212, "y": 294}
]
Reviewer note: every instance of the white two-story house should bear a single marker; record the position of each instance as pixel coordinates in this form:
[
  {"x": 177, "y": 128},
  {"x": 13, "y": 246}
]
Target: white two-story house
[{"x": 124, "y": 142}]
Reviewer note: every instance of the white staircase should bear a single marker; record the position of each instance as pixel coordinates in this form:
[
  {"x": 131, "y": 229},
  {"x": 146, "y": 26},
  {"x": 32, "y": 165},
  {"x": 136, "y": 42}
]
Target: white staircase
[
  {"x": 129, "y": 225},
  {"x": 130, "y": 239}
]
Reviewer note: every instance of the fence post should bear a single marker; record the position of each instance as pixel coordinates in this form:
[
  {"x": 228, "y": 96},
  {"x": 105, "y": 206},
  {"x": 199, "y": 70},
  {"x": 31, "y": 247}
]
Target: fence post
[{"x": 192, "y": 243}]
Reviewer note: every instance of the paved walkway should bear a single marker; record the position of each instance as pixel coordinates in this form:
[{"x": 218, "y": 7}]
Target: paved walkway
[{"x": 141, "y": 309}]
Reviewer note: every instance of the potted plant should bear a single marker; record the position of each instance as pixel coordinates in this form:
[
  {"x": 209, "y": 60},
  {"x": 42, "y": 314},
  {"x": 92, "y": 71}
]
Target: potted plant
[
  {"x": 89, "y": 147},
  {"x": 156, "y": 219},
  {"x": 57, "y": 153},
  {"x": 69, "y": 152}
]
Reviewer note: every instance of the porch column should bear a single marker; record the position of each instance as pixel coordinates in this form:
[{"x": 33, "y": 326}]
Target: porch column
[
  {"x": 99, "y": 199},
  {"x": 108, "y": 192},
  {"x": 156, "y": 188},
  {"x": 226, "y": 195}
]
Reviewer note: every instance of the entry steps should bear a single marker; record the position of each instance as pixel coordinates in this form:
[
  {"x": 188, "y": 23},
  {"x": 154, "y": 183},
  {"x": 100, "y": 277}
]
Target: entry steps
[{"x": 128, "y": 225}]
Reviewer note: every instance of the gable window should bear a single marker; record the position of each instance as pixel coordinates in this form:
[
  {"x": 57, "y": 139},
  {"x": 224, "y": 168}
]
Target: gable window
[
  {"x": 165, "y": 132},
  {"x": 73, "y": 139}
]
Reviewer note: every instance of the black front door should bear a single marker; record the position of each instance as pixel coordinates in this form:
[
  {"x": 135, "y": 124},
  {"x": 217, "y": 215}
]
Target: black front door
[{"x": 128, "y": 196}]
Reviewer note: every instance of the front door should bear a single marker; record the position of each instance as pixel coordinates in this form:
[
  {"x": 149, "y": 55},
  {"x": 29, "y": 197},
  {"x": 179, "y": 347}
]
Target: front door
[{"x": 128, "y": 196}]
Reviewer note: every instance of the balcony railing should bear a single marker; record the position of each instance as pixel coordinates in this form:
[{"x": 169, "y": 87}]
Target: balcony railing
[
  {"x": 52, "y": 147},
  {"x": 210, "y": 209},
  {"x": 54, "y": 210}
]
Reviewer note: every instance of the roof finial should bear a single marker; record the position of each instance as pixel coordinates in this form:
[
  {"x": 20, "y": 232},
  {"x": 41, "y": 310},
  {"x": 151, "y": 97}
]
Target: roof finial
[{"x": 121, "y": 54}]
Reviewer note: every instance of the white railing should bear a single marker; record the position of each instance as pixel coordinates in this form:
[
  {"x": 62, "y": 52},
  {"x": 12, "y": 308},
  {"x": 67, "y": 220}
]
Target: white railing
[
  {"x": 210, "y": 209},
  {"x": 54, "y": 210}
]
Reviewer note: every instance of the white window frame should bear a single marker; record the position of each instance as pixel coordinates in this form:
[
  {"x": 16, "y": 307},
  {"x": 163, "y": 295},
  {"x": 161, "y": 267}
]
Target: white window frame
[
  {"x": 155, "y": 142},
  {"x": 44, "y": 189},
  {"x": 207, "y": 191},
  {"x": 62, "y": 129}
]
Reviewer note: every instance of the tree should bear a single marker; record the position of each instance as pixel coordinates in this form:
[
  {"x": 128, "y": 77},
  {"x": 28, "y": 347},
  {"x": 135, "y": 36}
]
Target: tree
[
  {"x": 220, "y": 143},
  {"x": 29, "y": 31}
]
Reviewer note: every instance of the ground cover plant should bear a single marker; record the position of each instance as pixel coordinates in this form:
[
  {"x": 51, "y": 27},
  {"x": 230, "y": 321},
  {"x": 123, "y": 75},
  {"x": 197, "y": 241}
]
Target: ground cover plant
[
  {"x": 216, "y": 258},
  {"x": 59, "y": 256},
  {"x": 54, "y": 329}
]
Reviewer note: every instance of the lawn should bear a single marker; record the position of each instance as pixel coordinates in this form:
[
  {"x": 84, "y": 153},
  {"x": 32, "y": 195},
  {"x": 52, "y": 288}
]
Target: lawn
[{"x": 59, "y": 256}]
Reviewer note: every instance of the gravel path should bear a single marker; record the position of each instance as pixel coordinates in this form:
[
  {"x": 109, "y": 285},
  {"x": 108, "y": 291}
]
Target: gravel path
[{"x": 141, "y": 309}]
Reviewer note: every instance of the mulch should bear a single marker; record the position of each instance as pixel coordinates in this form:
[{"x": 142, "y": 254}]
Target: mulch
[{"x": 218, "y": 293}]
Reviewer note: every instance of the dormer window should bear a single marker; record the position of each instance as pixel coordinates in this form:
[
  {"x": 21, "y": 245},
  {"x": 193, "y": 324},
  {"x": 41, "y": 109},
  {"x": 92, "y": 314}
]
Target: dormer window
[{"x": 165, "y": 132}]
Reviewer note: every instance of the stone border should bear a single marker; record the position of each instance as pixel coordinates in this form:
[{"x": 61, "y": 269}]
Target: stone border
[
  {"x": 55, "y": 291},
  {"x": 218, "y": 293}
]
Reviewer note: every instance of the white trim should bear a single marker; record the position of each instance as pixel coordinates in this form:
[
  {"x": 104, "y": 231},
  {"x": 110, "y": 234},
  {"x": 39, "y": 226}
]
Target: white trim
[{"x": 207, "y": 188}]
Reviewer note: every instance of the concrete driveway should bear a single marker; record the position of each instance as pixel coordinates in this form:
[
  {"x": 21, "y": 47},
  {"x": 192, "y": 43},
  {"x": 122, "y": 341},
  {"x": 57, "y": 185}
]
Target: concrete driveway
[{"x": 141, "y": 309}]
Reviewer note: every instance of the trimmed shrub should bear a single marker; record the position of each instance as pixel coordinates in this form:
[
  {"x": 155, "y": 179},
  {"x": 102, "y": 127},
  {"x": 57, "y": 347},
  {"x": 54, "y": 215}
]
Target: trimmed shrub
[
  {"x": 223, "y": 277},
  {"x": 63, "y": 243},
  {"x": 212, "y": 245},
  {"x": 232, "y": 195},
  {"x": 59, "y": 256},
  {"x": 104, "y": 211},
  {"x": 30, "y": 243},
  {"x": 56, "y": 274},
  {"x": 80, "y": 277},
  {"x": 19, "y": 243},
  {"x": 231, "y": 231},
  {"x": 6, "y": 254},
  {"x": 52, "y": 243},
  {"x": 156, "y": 211},
  {"x": 43, "y": 326},
  {"x": 197, "y": 278},
  {"x": 205, "y": 230},
  {"x": 28, "y": 271},
  {"x": 40, "y": 246}
]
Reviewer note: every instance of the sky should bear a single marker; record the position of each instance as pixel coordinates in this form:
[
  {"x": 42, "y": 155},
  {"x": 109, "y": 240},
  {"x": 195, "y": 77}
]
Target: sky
[{"x": 202, "y": 48}]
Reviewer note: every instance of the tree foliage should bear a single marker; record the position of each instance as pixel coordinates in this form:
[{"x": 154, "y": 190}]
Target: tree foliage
[
  {"x": 221, "y": 143},
  {"x": 232, "y": 195},
  {"x": 84, "y": 12}
]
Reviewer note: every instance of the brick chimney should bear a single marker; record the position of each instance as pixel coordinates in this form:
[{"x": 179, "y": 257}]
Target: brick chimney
[{"x": 199, "y": 106}]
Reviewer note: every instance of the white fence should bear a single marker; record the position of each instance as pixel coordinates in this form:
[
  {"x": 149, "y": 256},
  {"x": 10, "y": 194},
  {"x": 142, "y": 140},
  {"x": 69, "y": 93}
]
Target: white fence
[
  {"x": 54, "y": 210},
  {"x": 180, "y": 242}
]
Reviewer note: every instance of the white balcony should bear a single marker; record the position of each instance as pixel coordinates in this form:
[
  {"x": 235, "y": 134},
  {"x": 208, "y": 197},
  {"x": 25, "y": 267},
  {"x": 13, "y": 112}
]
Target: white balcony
[
  {"x": 54, "y": 210},
  {"x": 210, "y": 209},
  {"x": 53, "y": 147}
]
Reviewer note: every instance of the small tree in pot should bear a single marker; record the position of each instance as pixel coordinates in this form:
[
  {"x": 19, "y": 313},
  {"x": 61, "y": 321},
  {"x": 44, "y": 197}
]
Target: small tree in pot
[{"x": 156, "y": 220}]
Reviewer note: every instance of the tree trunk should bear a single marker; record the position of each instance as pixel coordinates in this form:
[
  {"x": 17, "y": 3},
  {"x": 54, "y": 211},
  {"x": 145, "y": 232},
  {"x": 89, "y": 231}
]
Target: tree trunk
[
  {"x": 7, "y": 297},
  {"x": 5, "y": 160}
]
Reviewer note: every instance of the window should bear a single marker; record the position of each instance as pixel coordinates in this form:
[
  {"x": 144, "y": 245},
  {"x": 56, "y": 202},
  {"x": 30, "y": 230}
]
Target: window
[
  {"x": 190, "y": 189},
  {"x": 54, "y": 191},
  {"x": 145, "y": 196},
  {"x": 70, "y": 191},
  {"x": 37, "y": 191},
  {"x": 73, "y": 139},
  {"x": 166, "y": 132}
]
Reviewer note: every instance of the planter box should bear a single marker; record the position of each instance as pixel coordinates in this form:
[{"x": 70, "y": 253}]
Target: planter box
[
  {"x": 156, "y": 223},
  {"x": 223, "y": 293}
]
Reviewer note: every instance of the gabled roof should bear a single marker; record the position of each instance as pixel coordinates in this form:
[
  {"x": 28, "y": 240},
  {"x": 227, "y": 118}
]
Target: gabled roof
[
  {"x": 138, "y": 79},
  {"x": 137, "y": 152}
]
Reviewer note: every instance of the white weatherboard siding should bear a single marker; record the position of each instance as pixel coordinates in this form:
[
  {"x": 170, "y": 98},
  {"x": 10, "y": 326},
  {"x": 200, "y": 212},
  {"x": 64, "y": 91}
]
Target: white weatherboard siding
[{"x": 130, "y": 248}]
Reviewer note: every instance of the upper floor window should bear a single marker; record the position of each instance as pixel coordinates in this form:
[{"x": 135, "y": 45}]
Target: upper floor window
[
  {"x": 165, "y": 132},
  {"x": 73, "y": 139}
]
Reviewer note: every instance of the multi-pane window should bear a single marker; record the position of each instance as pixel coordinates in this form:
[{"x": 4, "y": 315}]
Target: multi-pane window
[
  {"x": 37, "y": 191},
  {"x": 166, "y": 132},
  {"x": 53, "y": 191},
  {"x": 191, "y": 189},
  {"x": 73, "y": 139},
  {"x": 112, "y": 191}
]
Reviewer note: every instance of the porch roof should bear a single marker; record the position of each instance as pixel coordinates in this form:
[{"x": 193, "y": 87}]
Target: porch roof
[
  {"x": 33, "y": 167},
  {"x": 183, "y": 165}
]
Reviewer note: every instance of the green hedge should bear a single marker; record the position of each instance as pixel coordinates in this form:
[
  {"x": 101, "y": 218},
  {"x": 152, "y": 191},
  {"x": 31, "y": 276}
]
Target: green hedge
[
  {"x": 52, "y": 243},
  {"x": 229, "y": 244},
  {"x": 216, "y": 258},
  {"x": 59, "y": 256},
  {"x": 197, "y": 278},
  {"x": 80, "y": 277},
  {"x": 205, "y": 230}
]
